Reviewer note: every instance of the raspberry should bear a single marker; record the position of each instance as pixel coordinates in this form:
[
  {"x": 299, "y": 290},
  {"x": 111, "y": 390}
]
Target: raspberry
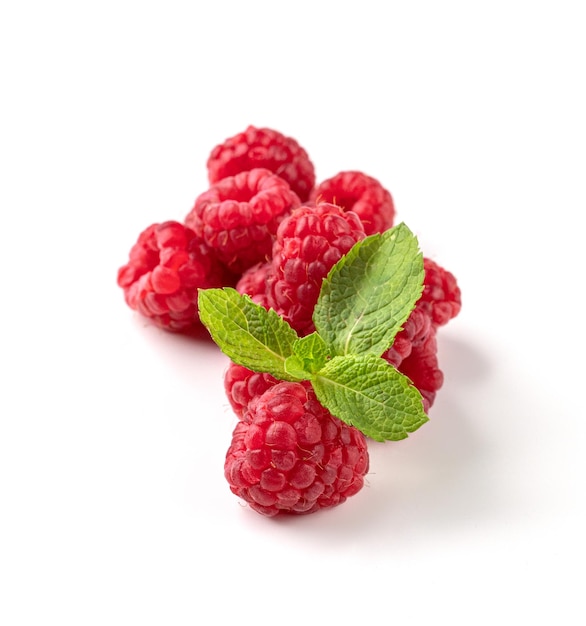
[
  {"x": 309, "y": 242},
  {"x": 242, "y": 385},
  {"x": 414, "y": 333},
  {"x": 238, "y": 216},
  {"x": 291, "y": 455},
  {"x": 363, "y": 194},
  {"x": 414, "y": 353},
  {"x": 166, "y": 266},
  {"x": 422, "y": 368},
  {"x": 441, "y": 294},
  {"x": 266, "y": 148},
  {"x": 253, "y": 283}
]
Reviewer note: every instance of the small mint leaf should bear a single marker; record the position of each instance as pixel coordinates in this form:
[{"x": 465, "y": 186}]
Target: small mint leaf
[
  {"x": 309, "y": 356},
  {"x": 370, "y": 394},
  {"x": 370, "y": 292},
  {"x": 246, "y": 332},
  {"x": 312, "y": 350},
  {"x": 295, "y": 367}
]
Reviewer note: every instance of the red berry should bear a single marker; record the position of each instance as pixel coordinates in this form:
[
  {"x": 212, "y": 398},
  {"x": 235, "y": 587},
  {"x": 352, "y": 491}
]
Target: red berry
[
  {"x": 309, "y": 243},
  {"x": 242, "y": 385},
  {"x": 166, "y": 266},
  {"x": 265, "y": 148},
  {"x": 414, "y": 332},
  {"x": 363, "y": 194},
  {"x": 238, "y": 216},
  {"x": 422, "y": 368},
  {"x": 253, "y": 282},
  {"x": 290, "y": 455},
  {"x": 414, "y": 353},
  {"x": 441, "y": 294}
]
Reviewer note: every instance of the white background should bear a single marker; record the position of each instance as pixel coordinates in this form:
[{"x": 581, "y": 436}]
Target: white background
[{"x": 113, "y": 505}]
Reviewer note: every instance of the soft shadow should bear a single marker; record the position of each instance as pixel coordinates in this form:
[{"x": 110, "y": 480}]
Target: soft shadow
[
  {"x": 462, "y": 360},
  {"x": 190, "y": 356},
  {"x": 436, "y": 480},
  {"x": 197, "y": 334},
  {"x": 439, "y": 480}
]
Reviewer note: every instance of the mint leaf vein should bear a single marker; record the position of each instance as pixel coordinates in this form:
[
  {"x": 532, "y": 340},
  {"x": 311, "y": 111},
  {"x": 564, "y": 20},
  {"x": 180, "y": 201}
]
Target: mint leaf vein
[{"x": 369, "y": 393}]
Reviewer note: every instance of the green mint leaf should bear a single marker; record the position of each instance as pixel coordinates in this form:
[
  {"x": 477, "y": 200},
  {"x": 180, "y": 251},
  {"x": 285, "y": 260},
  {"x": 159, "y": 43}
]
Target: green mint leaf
[
  {"x": 295, "y": 368},
  {"x": 246, "y": 332},
  {"x": 370, "y": 292},
  {"x": 309, "y": 356},
  {"x": 369, "y": 393},
  {"x": 312, "y": 350}
]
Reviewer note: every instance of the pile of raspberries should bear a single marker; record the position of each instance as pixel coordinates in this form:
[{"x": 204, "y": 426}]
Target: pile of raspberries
[{"x": 266, "y": 227}]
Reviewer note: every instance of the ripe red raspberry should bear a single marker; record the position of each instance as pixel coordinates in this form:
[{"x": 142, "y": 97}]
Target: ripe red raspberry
[
  {"x": 309, "y": 243},
  {"x": 422, "y": 368},
  {"x": 414, "y": 353},
  {"x": 290, "y": 455},
  {"x": 415, "y": 331},
  {"x": 253, "y": 282},
  {"x": 166, "y": 266},
  {"x": 242, "y": 385},
  {"x": 266, "y": 148},
  {"x": 238, "y": 216},
  {"x": 441, "y": 294},
  {"x": 363, "y": 194}
]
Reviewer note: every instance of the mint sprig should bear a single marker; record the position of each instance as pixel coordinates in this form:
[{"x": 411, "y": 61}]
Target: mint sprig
[{"x": 364, "y": 301}]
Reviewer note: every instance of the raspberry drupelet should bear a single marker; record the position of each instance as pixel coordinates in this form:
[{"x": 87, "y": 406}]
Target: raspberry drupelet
[
  {"x": 356, "y": 191},
  {"x": 238, "y": 216},
  {"x": 290, "y": 455},
  {"x": 265, "y": 148},
  {"x": 166, "y": 267}
]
